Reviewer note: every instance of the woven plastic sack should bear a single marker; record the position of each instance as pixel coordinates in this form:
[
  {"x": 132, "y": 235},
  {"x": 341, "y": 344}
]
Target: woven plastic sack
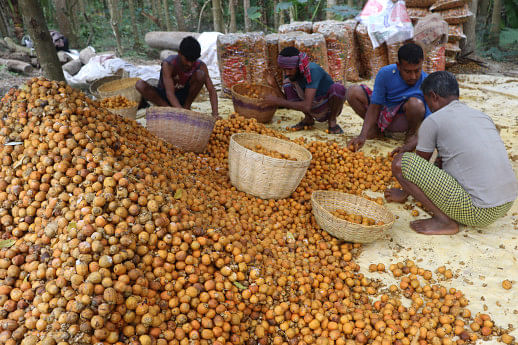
[
  {"x": 431, "y": 31},
  {"x": 353, "y": 66},
  {"x": 456, "y": 33},
  {"x": 272, "y": 48},
  {"x": 296, "y": 26},
  {"x": 435, "y": 59},
  {"x": 447, "y": 4},
  {"x": 337, "y": 44},
  {"x": 372, "y": 60},
  {"x": 314, "y": 45},
  {"x": 419, "y": 3},
  {"x": 416, "y": 13},
  {"x": 457, "y": 15},
  {"x": 387, "y": 21}
]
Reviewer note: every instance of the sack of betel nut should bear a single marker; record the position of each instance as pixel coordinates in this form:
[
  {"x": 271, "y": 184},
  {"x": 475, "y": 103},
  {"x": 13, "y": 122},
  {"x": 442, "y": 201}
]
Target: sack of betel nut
[
  {"x": 457, "y": 15},
  {"x": 272, "y": 48},
  {"x": 440, "y": 5},
  {"x": 435, "y": 59},
  {"x": 371, "y": 59},
  {"x": 317, "y": 26},
  {"x": 257, "y": 57},
  {"x": 419, "y": 3},
  {"x": 314, "y": 45},
  {"x": 306, "y": 27},
  {"x": 416, "y": 13},
  {"x": 337, "y": 44},
  {"x": 241, "y": 58},
  {"x": 456, "y": 33},
  {"x": 232, "y": 60},
  {"x": 353, "y": 67}
]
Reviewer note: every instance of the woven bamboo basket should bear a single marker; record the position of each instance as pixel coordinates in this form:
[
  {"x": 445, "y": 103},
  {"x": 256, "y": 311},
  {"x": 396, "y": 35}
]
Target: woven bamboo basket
[
  {"x": 263, "y": 176},
  {"x": 324, "y": 202},
  {"x": 186, "y": 129},
  {"x": 251, "y": 107},
  {"x": 124, "y": 87},
  {"x": 129, "y": 113},
  {"x": 95, "y": 85}
]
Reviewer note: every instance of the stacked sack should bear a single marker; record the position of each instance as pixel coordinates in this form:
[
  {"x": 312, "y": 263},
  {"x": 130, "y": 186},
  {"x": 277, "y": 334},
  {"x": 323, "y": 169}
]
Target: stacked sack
[
  {"x": 272, "y": 49},
  {"x": 241, "y": 57},
  {"x": 372, "y": 60},
  {"x": 314, "y": 45},
  {"x": 455, "y": 13},
  {"x": 418, "y": 9},
  {"x": 306, "y": 27}
]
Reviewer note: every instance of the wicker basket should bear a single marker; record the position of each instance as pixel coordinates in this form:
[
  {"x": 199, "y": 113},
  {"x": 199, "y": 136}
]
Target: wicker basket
[
  {"x": 186, "y": 129},
  {"x": 263, "y": 176},
  {"x": 95, "y": 85},
  {"x": 124, "y": 87},
  {"x": 251, "y": 107},
  {"x": 324, "y": 202},
  {"x": 129, "y": 113}
]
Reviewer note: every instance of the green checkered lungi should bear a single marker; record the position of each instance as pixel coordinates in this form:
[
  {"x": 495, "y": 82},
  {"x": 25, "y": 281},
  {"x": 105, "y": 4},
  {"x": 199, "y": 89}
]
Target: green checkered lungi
[{"x": 447, "y": 194}]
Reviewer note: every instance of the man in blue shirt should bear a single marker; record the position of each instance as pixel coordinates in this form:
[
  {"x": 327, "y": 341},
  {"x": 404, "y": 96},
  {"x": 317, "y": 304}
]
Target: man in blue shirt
[
  {"x": 396, "y": 104},
  {"x": 307, "y": 87}
]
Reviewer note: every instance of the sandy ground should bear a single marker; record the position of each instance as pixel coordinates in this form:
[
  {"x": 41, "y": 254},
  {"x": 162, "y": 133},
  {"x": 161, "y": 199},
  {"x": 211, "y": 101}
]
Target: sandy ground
[{"x": 479, "y": 258}]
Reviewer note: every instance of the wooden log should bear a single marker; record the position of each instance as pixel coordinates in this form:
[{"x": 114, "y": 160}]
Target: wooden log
[
  {"x": 165, "y": 53},
  {"x": 16, "y": 47},
  {"x": 167, "y": 39},
  {"x": 15, "y": 56},
  {"x": 72, "y": 67},
  {"x": 86, "y": 54},
  {"x": 17, "y": 66}
]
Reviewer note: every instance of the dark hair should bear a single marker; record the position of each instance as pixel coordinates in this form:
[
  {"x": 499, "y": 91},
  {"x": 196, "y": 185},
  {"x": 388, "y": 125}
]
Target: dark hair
[
  {"x": 442, "y": 83},
  {"x": 289, "y": 51},
  {"x": 411, "y": 53},
  {"x": 190, "y": 48}
]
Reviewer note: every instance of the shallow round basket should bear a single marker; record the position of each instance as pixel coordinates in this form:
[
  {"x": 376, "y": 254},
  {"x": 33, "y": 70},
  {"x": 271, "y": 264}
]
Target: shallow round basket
[
  {"x": 251, "y": 107},
  {"x": 129, "y": 113},
  {"x": 123, "y": 87},
  {"x": 186, "y": 129},
  {"x": 95, "y": 85},
  {"x": 324, "y": 202},
  {"x": 263, "y": 176}
]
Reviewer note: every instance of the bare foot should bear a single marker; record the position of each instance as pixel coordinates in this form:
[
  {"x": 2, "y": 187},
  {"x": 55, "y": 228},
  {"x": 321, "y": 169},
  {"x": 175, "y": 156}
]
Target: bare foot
[
  {"x": 435, "y": 226},
  {"x": 396, "y": 195}
]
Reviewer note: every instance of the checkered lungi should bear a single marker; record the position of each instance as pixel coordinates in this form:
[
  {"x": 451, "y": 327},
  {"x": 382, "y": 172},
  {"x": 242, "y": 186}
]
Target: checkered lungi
[
  {"x": 447, "y": 194},
  {"x": 387, "y": 114}
]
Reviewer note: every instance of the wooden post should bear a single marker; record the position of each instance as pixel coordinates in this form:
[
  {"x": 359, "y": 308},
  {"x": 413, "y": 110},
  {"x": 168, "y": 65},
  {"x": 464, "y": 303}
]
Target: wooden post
[{"x": 246, "y": 6}]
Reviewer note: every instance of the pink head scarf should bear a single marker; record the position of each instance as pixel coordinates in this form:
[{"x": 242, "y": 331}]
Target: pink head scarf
[{"x": 301, "y": 61}]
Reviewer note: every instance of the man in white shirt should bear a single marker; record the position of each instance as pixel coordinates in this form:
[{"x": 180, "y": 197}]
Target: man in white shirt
[{"x": 476, "y": 184}]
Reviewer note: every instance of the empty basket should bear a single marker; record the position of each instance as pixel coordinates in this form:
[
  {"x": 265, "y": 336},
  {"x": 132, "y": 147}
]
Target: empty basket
[
  {"x": 264, "y": 176},
  {"x": 324, "y": 202}
]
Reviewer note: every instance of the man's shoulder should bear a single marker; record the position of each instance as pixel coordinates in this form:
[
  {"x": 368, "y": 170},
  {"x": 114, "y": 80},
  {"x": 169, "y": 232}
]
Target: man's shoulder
[{"x": 387, "y": 71}]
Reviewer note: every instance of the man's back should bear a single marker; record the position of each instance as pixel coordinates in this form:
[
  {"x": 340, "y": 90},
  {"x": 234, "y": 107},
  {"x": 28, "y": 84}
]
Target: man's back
[{"x": 472, "y": 152}]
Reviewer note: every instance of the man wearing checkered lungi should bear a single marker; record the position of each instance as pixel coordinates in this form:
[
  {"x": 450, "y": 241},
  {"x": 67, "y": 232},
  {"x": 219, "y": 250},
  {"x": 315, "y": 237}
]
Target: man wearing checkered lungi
[{"x": 476, "y": 184}]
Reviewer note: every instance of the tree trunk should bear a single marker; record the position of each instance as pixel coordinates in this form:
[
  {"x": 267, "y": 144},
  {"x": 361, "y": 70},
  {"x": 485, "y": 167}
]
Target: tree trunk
[
  {"x": 218, "y": 16},
  {"x": 134, "y": 28},
  {"x": 167, "y": 20},
  {"x": 246, "y": 6},
  {"x": 63, "y": 18},
  {"x": 469, "y": 29},
  {"x": 39, "y": 32},
  {"x": 156, "y": 12},
  {"x": 193, "y": 14},
  {"x": 483, "y": 10},
  {"x": 496, "y": 16},
  {"x": 17, "y": 20},
  {"x": 281, "y": 17},
  {"x": 350, "y": 3},
  {"x": 178, "y": 13},
  {"x": 275, "y": 15},
  {"x": 113, "y": 6},
  {"x": 232, "y": 6}
]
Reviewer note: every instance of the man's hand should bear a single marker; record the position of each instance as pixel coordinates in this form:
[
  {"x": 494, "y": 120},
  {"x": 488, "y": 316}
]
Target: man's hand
[
  {"x": 271, "y": 80},
  {"x": 217, "y": 117},
  {"x": 401, "y": 149},
  {"x": 270, "y": 100},
  {"x": 356, "y": 143}
]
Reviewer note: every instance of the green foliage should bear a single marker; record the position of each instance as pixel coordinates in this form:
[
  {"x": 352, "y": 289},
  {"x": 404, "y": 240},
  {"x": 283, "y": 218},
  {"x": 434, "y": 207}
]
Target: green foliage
[
  {"x": 511, "y": 13},
  {"x": 343, "y": 11},
  {"x": 254, "y": 12}
]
